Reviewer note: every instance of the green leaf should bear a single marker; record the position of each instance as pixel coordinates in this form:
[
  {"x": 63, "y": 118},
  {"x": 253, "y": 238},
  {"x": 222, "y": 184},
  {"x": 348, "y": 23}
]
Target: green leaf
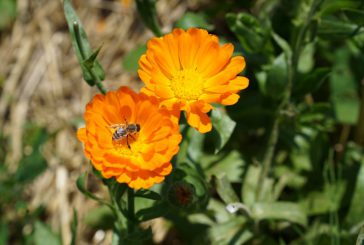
[
  {"x": 320, "y": 115},
  {"x": 44, "y": 235},
  {"x": 130, "y": 61},
  {"x": 287, "y": 211},
  {"x": 249, "y": 188},
  {"x": 89, "y": 63},
  {"x": 360, "y": 239},
  {"x": 323, "y": 202},
  {"x": 306, "y": 60},
  {"x": 195, "y": 141},
  {"x": 81, "y": 45},
  {"x": 148, "y": 14},
  {"x": 225, "y": 190},
  {"x": 33, "y": 165},
  {"x": 252, "y": 36},
  {"x": 7, "y": 13},
  {"x": 283, "y": 44},
  {"x": 153, "y": 212},
  {"x": 190, "y": 19},
  {"x": 100, "y": 217},
  {"x": 311, "y": 82},
  {"x": 332, "y": 6},
  {"x": 115, "y": 240},
  {"x": 356, "y": 16},
  {"x": 81, "y": 185},
  {"x": 223, "y": 127},
  {"x": 231, "y": 164},
  {"x": 230, "y": 232},
  {"x": 334, "y": 28},
  {"x": 219, "y": 212},
  {"x": 344, "y": 90},
  {"x": 277, "y": 77},
  {"x": 354, "y": 216},
  {"x": 148, "y": 194}
]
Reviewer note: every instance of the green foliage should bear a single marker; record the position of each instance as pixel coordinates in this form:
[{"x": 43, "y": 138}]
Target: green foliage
[
  {"x": 310, "y": 83},
  {"x": 148, "y": 14},
  {"x": 251, "y": 34},
  {"x": 231, "y": 164},
  {"x": 282, "y": 166},
  {"x": 100, "y": 218},
  {"x": 130, "y": 61},
  {"x": 34, "y": 164},
  {"x": 14, "y": 209},
  {"x": 223, "y": 127},
  {"x": 274, "y": 78},
  {"x": 7, "y": 13},
  {"x": 225, "y": 190},
  {"x": 334, "y": 28},
  {"x": 91, "y": 68},
  {"x": 291, "y": 212},
  {"x": 148, "y": 194},
  {"x": 44, "y": 235},
  {"x": 81, "y": 185},
  {"x": 74, "y": 226},
  {"x": 190, "y": 19},
  {"x": 355, "y": 16},
  {"x": 344, "y": 89},
  {"x": 302, "y": 63},
  {"x": 360, "y": 239}
]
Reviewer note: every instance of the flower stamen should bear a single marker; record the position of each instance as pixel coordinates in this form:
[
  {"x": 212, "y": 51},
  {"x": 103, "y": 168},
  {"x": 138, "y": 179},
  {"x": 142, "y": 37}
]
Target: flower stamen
[{"x": 187, "y": 84}]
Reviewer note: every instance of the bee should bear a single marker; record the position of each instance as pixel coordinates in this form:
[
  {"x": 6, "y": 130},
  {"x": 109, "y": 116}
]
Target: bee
[{"x": 124, "y": 131}]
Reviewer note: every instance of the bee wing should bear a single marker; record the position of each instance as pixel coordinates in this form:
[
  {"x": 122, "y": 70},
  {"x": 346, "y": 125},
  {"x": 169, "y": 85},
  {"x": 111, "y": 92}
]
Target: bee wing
[
  {"x": 112, "y": 128},
  {"x": 118, "y": 125}
]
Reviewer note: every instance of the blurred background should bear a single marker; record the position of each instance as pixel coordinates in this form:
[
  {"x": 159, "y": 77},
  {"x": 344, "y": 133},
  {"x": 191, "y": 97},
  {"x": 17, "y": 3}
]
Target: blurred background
[
  {"x": 317, "y": 159},
  {"x": 43, "y": 98}
]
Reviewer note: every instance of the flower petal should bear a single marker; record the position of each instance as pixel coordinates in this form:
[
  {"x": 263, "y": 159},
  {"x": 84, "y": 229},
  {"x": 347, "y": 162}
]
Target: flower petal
[{"x": 199, "y": 120}]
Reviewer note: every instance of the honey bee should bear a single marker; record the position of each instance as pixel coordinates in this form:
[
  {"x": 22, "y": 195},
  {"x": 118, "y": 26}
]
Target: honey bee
[{"x": 124, "y": 131}]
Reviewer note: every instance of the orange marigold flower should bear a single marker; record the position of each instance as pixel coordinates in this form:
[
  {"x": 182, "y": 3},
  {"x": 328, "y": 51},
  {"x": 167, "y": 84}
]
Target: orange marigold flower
[
  {"x": 128, "y": 137},
  {"x": 189, "y": 70}
]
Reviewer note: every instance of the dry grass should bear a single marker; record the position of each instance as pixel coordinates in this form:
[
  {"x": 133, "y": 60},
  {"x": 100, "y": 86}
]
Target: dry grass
[{"x": 43, "y": 85}]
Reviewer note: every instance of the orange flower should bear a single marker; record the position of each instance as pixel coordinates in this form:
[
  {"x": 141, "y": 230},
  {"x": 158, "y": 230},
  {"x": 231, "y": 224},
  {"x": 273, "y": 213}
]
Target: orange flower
[
  {"x": 140, "y": 158},
  {"x": 189, "y": 70}
]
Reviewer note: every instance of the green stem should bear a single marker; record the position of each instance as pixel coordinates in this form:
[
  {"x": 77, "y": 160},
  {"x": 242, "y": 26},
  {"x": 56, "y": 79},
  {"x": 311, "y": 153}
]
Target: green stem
[
  {"x": 131, "y": 218},
  {"x": 267, "y": 160},
  {"x": 117, "y": 211},
  {"x": 359, "y": 136},
  {"x": 292, "y": 64},
  {"x": 98, "y": 82}
]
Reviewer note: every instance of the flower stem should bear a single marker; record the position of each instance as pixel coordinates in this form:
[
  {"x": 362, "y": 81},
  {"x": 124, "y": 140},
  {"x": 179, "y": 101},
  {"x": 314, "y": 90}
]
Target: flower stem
[
  {"x": 267, "y": 161},
  {"x": 131, "y": 218},
  {"x": 117, "y": 210},
  {"x": 98, "y": 83}
]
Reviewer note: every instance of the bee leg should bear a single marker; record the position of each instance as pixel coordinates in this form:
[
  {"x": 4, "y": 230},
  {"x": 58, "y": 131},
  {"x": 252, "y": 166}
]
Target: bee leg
[{"x": 127, "y": 142}]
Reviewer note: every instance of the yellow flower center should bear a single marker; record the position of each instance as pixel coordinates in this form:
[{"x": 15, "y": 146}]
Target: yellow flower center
[
  {"x": 121, "y": 146},
  {"x": 187, "y": 84}
]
